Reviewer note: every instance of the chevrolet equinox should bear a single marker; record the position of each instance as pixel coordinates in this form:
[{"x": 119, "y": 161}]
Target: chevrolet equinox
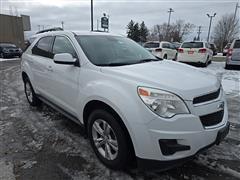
[{"x": 133, "y": 105}]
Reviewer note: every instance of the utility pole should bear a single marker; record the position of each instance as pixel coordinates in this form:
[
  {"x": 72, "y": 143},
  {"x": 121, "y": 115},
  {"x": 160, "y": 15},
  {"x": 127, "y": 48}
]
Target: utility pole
[
  {"x": 235, "y": 14},
  {"x": 62, "y": 22},
  {"x": 91, "y": 15},
  {"x": 210, "y": 16},
  {"x": 170, "y": 11},
  {"x": 199, "y": 32}
]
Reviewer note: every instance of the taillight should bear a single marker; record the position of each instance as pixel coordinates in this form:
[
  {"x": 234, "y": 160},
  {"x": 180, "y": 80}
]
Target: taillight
[
  {"x": 202, "y": 50},
  {"x": 230, "y": 52},
  {"x": 180, "y": 50},
  {"x": 158, "y": 50}
]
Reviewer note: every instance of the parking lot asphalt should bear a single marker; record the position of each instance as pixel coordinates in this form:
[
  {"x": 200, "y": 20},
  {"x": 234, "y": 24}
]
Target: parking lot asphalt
[{"x": 40, "y": 143}]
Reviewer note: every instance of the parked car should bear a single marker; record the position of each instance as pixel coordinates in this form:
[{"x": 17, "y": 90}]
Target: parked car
[
  {"x": 225, "y": 50},
  {"x": 213, "y": 48},
  {"x": 233, "y": 55},
  {"x": 134, "y": 106},
  {"x": 195, "y": 52},
  {"x": 8, "y": 50},
  {"x": 163, "y": 49}
]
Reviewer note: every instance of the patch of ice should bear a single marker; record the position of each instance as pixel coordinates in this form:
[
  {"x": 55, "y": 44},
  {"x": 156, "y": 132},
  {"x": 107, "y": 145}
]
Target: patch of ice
[
  {"x": 3, "y": 108},
  {"x": 28, "y": 164}
]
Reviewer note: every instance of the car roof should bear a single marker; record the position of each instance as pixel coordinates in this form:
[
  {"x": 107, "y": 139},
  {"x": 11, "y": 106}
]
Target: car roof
[{"x": 78, "y": 33}]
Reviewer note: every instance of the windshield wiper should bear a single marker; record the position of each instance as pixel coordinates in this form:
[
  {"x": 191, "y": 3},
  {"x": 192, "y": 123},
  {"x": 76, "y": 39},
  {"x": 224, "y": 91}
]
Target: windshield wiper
[
  {"x": 149, "y": 60},
  {"x": 114, "y": 64}
]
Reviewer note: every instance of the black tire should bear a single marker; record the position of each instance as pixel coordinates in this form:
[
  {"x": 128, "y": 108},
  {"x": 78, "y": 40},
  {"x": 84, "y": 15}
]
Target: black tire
[
  {"x": 1, "y": 55},
  {"x": 32, "y": 99},
  {"x": 175, "y": 58},
  {"x": 165, "y": 56},
  {"x": 227, "y": 66},
  {"x": 123, "y": 154}
]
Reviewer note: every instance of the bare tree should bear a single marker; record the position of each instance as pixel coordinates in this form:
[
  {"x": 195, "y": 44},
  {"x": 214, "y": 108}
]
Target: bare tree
[
  {"x": 175, "y": 32},
  {"x": 226, "y": 30}
]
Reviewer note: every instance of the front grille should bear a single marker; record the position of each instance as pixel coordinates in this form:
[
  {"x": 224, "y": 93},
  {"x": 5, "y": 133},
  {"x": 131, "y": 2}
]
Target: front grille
[
  {"x": 206, "y": 97},
  {"x": 212, "y": 119}
]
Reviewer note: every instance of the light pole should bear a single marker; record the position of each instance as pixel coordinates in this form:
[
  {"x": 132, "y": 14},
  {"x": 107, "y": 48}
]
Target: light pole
[
  {"x": 91, "y": 15},
  {"x": 210, "y": 16}
]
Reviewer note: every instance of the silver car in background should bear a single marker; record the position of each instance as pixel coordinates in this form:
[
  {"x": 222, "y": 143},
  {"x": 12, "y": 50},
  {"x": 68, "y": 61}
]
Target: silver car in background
[{"x": 233, "y": 55}]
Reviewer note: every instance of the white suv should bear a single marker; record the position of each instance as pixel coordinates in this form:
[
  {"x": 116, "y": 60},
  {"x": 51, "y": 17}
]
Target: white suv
[
  {"x": 195, "y": 52},
  {"x": 163, "y": 49},
  {"x": 132, "y": 105}
]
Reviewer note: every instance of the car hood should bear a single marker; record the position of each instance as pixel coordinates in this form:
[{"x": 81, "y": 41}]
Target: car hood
[{"x": 186, "y": 81}]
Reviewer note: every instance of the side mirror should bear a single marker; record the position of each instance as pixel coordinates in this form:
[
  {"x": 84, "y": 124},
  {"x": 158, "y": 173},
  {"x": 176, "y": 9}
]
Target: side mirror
[{"x": 64, "y": 58}]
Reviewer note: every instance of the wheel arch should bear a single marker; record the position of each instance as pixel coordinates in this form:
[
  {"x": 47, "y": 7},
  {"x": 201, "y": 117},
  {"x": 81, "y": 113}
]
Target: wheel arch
[{"x": 98, "y": 104}]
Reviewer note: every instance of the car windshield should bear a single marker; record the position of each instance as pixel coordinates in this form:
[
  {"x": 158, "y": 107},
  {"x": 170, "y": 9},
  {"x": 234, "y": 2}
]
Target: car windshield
[
  {"x": 151, "y": 45},
  {"x": 192, "y": 45},
  {"x": 237, "y": 44},
  {"x": 113, "y": 50},
  {"x": 7, "y": 45}
]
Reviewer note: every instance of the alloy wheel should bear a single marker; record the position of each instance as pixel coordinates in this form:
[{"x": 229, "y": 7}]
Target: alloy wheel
[{"x": 105, "y": 139}]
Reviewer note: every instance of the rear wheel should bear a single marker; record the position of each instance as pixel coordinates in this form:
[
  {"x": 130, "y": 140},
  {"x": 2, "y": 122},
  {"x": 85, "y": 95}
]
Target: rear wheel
[
  {"x": 175, "y": 58},
  {"x": 108, "y": 139},
  {"x": 165, "y": 56},
  {"x": 30, "y": 94}
]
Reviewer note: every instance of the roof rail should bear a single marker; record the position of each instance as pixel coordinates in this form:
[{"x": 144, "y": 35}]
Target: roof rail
[{"x": 51, "y": 29}]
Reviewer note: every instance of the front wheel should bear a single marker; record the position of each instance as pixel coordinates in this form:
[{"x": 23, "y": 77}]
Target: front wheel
[{"x": 108, "y": 139}]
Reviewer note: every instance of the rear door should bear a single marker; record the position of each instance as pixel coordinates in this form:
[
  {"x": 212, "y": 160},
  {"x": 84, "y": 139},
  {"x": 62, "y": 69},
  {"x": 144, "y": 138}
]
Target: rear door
[
  {"x": 41, "y": 63},
  {"x": 236, "y": 51}
]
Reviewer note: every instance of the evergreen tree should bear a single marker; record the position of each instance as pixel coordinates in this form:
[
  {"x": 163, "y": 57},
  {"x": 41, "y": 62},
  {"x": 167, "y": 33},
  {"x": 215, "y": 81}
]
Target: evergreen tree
[
  {"x": 130, "y": 29},
  {"x": 143, "y": 32}
]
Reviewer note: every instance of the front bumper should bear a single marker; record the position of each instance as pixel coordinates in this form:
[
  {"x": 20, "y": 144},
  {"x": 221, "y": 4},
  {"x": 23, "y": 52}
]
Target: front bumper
[
  {"x": 147, "y": 164},
  {"x": 187, "y": 130}
]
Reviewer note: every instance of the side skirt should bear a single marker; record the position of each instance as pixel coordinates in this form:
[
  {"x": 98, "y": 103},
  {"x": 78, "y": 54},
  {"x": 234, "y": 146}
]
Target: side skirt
[{"x": 61, "y": 110}]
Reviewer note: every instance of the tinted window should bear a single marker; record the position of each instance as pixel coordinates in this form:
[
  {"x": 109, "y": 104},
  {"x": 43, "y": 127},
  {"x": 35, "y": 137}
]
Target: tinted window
[
  {"x": 192, "y": 45},
  {"x": 237, "y": 44},
  {"x": 63, "y": 45},
  {"x": 112, "y": 50},
  {"x": 151, "y": 45},
  {"x": 42, "y": 47},
  {"x": 165, "y": 45}
]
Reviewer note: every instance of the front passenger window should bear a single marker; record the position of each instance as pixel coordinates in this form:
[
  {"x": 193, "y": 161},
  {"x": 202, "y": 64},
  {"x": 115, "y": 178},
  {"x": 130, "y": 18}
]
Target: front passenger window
[{"x": 63, "y": 45}]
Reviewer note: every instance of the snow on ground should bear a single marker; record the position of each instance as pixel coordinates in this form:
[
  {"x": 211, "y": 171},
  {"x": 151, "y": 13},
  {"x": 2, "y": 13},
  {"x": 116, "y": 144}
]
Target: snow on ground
[{"x": 230, "y": 78}]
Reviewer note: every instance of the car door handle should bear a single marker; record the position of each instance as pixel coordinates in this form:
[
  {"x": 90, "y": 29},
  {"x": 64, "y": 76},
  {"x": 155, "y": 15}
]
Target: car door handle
[{"x": 49, "y": 68}]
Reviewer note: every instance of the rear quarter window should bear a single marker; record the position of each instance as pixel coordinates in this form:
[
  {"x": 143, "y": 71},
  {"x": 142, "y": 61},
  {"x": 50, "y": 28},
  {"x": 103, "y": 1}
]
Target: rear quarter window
[{"x": 237, "y": 44}]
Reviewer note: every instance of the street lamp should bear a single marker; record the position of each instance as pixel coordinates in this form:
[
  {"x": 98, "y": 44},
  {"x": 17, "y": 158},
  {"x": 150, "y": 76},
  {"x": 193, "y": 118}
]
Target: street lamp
[{"x": 210, "y": 16}]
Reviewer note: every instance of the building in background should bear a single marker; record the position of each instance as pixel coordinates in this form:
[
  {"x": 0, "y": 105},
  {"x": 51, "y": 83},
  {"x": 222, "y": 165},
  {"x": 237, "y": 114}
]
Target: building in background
[{"x": 12, "y": 29}]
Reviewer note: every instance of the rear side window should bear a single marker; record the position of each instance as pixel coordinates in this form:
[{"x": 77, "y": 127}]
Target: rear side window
[
  {"x": 63, "y": 45},
  {"x": 42, "y": 48},
  {"x": 237, "y": 44},
  {"x": 151, "y": 45},
  {"x": 192, "y": 45},
  {"x": 165, "y": 45}
]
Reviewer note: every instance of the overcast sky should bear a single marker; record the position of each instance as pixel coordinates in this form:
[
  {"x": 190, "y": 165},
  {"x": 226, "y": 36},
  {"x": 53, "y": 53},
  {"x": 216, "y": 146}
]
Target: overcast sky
[{"x": 76, "y": 13}]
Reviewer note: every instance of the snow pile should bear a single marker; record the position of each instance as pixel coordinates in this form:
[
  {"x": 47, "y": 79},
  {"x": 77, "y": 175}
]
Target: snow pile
[{"x": 12, "y": 59}]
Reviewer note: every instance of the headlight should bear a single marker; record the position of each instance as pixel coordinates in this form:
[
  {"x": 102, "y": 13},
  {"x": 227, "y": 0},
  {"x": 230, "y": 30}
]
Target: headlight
[
  {"x": 163, "y": 103},
  {"x": 5, "y": 50}
]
